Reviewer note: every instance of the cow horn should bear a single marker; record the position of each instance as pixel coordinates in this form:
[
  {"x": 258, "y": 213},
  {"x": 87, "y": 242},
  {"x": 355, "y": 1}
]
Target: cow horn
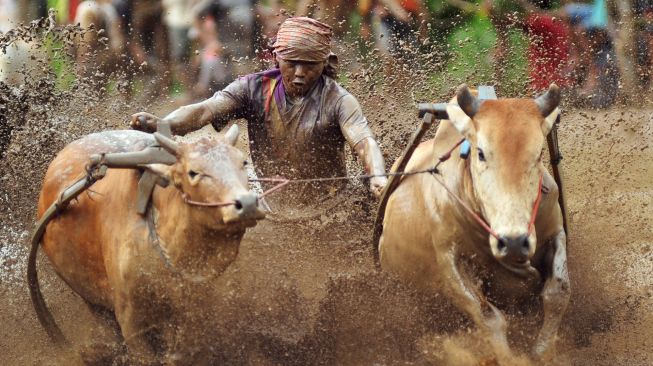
[
  {"x": 232, "y": 135},
  {"x": 467, "y": 102},
  {"x": 548, "y": 101},
  {"x": 167, "y": 143}
]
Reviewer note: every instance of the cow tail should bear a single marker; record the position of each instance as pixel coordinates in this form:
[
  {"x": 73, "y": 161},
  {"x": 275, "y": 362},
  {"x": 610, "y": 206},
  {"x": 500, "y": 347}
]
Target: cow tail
[{"x": 42, "y": 312}]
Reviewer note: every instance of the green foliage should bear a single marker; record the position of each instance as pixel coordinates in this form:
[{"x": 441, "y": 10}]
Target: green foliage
[
  {"x": 471, "y": 50},
  {"x": 61, "y": 63}
]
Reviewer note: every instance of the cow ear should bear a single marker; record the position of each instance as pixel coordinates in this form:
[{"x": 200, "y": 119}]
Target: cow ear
[
  {"x": 549, "y": 121},
  {"x": 460, "y": 120},
  {"x": 232, "y": 135},
  {"x": 161, "y": 170}
]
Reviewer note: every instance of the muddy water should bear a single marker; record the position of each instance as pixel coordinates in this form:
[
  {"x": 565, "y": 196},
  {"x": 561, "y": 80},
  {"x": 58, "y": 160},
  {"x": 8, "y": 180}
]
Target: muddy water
[{"x": 306, "y": 291}]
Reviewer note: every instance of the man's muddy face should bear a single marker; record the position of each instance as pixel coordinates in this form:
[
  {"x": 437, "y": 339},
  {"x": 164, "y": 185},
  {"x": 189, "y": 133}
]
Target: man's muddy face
[{"x": 299, "y": 76}]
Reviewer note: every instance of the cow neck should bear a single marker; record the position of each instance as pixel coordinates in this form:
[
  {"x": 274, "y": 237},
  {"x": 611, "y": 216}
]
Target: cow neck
[{"x": 187, "y": 248}]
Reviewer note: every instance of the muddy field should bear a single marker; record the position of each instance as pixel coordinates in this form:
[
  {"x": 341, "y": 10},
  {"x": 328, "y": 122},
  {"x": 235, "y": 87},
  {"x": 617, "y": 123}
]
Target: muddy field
[{"x": 304, "y": 290}]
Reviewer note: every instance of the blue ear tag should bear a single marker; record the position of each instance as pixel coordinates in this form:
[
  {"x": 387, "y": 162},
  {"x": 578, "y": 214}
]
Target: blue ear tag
[{"x": 465, "y": 147}]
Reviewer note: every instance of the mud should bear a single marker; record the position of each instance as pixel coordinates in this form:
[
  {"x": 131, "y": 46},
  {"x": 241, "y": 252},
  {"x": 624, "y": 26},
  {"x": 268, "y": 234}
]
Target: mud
[{"x": 306, "y": 291}]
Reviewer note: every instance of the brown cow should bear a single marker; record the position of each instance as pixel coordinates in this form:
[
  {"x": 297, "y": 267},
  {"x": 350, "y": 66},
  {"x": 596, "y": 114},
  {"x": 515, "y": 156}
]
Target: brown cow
[
  {"x": 146, "y": 270},
  {"x": 432, "y": 241}
]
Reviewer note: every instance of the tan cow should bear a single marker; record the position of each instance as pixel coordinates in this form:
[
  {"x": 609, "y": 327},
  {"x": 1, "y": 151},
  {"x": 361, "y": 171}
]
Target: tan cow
[
  {"x": 432, "y": 241},
  {"x": 146, "y": 270}
]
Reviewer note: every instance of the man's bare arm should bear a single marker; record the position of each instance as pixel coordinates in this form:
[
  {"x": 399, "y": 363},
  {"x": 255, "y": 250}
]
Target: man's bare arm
[
  {"x": 369, "y": 153},
  {"x": 190, "y": 117},
  {"x": 356, "y": 131},
  {"x": 223, "y": 106},
  {"x": 182, "y": 120}
]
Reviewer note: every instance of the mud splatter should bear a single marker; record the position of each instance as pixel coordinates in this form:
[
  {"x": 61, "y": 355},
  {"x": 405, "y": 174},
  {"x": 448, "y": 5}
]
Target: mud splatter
[{"x": 306, "y": 292}]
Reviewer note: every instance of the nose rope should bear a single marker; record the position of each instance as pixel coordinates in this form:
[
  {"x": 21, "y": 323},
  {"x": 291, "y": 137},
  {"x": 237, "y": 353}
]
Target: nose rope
[
  {"x": 471, "y": 212},
  {"x": 482, "y": 222},
  {"x": 281, "y": 183},
  {"x": 186, "y": 197},
  {"x": 476, "y": 216}
]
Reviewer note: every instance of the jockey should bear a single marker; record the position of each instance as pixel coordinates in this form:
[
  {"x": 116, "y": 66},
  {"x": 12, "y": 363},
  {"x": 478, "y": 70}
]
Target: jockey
[{"x": 299, "y": 118}]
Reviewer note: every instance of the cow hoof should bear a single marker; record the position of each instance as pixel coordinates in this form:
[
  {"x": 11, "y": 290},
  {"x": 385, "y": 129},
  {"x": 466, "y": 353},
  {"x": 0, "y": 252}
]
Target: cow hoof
[
  {"x": 491, "y": 361},
  {"x": 101, "y": 354},
  {"x": 544, "y": 353}
]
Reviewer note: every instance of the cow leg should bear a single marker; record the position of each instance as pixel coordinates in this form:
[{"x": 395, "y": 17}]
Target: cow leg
[
  {"x": 143, "y": 336},
  {"x": 487, "y": 317},
  {"x": 555, "y": 297},
  {"x": 109, "y": 351}
]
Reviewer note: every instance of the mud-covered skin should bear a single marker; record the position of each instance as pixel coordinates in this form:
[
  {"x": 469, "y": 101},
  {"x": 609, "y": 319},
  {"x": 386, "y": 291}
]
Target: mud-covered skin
[
  {"x": 146, "y": 272},
  {"x": 432, "y": 242},
  {"x": 305, "y": 139}
]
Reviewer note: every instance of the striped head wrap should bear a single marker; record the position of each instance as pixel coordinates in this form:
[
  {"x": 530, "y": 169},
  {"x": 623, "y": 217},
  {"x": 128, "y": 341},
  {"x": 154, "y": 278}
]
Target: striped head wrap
[{"x": 303, "y": 39}]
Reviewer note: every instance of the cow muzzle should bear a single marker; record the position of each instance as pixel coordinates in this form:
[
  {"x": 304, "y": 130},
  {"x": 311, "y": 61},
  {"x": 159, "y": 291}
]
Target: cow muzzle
[
  {"x": 245, "y": 208},
  {"x": 514, "y": 253},
  {"x": 513, "y": 249}
]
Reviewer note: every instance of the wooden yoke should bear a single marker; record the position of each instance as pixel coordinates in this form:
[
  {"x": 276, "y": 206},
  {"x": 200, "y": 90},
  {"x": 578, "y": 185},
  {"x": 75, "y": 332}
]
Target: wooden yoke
[
  {"x": 154, "y": 154},
  {"x": 149, "y": 179}
]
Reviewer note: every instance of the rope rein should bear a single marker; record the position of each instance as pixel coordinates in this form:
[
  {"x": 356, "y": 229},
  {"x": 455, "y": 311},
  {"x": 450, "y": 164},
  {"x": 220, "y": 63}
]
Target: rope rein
[{"x": 282, "y": 182}]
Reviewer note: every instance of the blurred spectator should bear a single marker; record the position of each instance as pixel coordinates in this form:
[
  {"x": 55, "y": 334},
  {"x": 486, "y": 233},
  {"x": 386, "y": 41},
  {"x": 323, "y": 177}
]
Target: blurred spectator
[
  {"x": 336, "y": 13},
  {"x": 98, "y": 19},
  {"x": 402, "y": 24},
  {"x": 178, "y": 17},
  {"x": 214, "y": 69},
  {"x": 268, "y": 18},
  {"x": 548, "y": 49},
  {"x": 593, "y": 42},
  {"x": 548, "y": 46},
  {"x": 66, "y": 9},
  {"x": 8, "y": 14},
  {"x": 148, "y": 41},
  {"x": 236, "y": 22},
  {"x": 643, "y": 12},
  {"x": 571, "y": 46}
]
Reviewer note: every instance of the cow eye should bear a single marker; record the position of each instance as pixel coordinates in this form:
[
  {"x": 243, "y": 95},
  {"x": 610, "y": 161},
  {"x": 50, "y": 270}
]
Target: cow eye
[
  {"x": 192, "y": 174},
  {"x": 245, "y": 163},
  {"x": 481, "y": 155}
]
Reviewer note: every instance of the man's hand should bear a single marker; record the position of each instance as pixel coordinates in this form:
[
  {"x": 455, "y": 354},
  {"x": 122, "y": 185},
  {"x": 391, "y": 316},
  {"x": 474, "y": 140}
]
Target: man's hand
[
  {"x": 377, "y": 184},
  {"x": 144, "y": 121}
]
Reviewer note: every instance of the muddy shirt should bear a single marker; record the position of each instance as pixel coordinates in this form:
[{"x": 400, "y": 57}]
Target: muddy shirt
[{"x": 300, "y": 138}]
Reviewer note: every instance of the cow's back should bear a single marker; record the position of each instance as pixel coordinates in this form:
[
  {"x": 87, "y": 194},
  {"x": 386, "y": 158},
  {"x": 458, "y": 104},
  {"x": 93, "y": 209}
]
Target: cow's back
[{"x": 76, "y": 241}]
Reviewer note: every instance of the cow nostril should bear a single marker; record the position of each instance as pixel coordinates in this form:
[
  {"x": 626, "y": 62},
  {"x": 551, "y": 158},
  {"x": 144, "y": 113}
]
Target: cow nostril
[
  {"x": 501, "y": 245},
  {"x": 238, "y": 205},
  {"x": 524, "y": 244}
]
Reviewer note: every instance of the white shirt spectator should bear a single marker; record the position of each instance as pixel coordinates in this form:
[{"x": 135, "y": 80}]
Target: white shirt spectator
[{"x": 8, "y": 15}]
